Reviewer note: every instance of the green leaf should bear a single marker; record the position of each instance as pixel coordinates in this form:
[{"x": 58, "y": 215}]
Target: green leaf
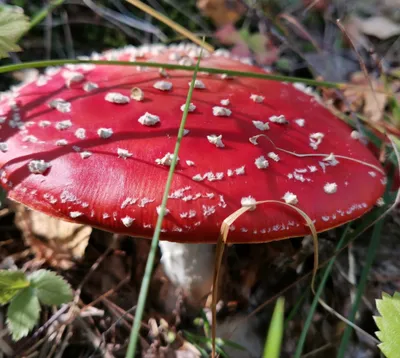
[
  {"x": 244, "y": 34},
  {"x": 13, "y": 24},
  {"x": 275, "y": 333},
  {"x": 257, "y": 43},
  {"x": 11, "y": 282},
  {"x": 51, "y": 289},
  {"x": 23, "y": 313},
  {"x": 389, "y": 324}
]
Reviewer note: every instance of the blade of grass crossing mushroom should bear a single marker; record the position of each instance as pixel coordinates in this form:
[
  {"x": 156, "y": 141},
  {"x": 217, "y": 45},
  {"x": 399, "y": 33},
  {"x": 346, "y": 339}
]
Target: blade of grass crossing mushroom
[
  {"x": 172, "y": 24},
  {"x": 168, "y": 66},
  {"x": 321, "y": 286},
  {"x": 131, "y": 351},
  {"x": 224, "y": 232}
]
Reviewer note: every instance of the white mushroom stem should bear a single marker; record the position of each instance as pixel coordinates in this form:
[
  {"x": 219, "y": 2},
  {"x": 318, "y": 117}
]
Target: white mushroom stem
[{"x": 189, "y": 267}]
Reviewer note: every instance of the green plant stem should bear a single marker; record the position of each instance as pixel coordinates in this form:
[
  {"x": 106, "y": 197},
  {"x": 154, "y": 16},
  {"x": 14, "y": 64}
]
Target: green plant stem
[
  {"x": 327, "y": 271},
  {"x": 168, "y": 66},
  {"x": 41, "y": 14},
  {"x": 131, "y": 351},
  {"x": 372, "y": 250}
]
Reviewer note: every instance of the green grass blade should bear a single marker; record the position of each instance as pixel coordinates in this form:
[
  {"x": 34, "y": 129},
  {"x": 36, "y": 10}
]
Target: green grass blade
[
  {"x": 156, "y": 236},
  {"x": 273, "y": 344},
  {"x": 168, "y": 66},
  {"x": 41, "y": 14},
  {"x": 325, "y": 276},
  {"x": 299, "y": 303},
  {"x": 372, "y": 250}
]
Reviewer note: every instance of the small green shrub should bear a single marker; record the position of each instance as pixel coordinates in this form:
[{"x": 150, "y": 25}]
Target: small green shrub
[
  {"x": 389, "y": 324},
  {"x": 24, "y": 294}
]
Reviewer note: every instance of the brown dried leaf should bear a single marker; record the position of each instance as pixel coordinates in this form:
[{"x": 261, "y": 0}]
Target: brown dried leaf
[
  {"x": 373, "y": 102},
  {"x": 187, "y": 350},
  {"x": 380, "y": 27},
  {"x": 221, "y": 12},
  {"x": 57, "y": 242}
]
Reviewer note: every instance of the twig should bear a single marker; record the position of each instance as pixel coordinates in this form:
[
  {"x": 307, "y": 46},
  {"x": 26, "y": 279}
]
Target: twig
[
  {"x": 64, "y": 343},
  {"x": 48, "y": 35},
  {"x": 5, "y": 212},
  {"x": 40, "y": 330},
  {"x": 360, "y": 60},
  {"x": 92, "y": 269},
  {"x": 4, "y": 346},
  {"x": 103, "y": 336},
  {"x": 106, "y": 294},
  {"x": 69, "y": 42},
  {"x": 173, "y": 25},
  {"x": 117, "y": 19},
  {"x": 96, "y": 341}
]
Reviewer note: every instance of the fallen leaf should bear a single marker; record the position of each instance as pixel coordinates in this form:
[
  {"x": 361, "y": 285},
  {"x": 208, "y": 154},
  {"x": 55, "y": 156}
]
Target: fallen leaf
[
  {"x": 375, "y": 104},
  {"x": 57, "y": 242},
  {"x": 390, "y": 8},
  {"x": 222, "y": 12},
  {"x": 360, "y": 97},
  {"x": 380, "y": 27},
  {"x": 374, "y": 100}
]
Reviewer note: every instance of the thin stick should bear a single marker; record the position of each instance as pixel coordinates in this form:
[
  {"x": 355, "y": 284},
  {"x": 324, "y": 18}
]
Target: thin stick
[
  {"x": 172, "y": 24},
  {"x": 92, "y": 269},
  {"x": 360, "y": 59},
  {"x": 106, "y": 294}
]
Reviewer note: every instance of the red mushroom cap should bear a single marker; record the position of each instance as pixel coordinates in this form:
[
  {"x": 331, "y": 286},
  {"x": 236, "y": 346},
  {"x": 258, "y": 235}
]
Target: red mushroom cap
[{"x": 75, "y": 145}]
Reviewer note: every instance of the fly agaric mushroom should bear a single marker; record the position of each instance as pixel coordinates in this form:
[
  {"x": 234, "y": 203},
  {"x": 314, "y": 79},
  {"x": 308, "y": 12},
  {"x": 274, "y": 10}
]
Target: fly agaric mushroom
[{"x": 92, "y": 144}]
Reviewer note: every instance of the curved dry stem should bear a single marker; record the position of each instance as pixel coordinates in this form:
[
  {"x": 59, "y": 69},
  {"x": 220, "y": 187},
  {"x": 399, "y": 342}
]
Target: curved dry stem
[
  {"x": 345, "y": 320},
  {"x": 303, "y": 155},
  {"x": 291, "y": 20},
  {"x": 232, "y": 218},
  {"x": 222, "y": 239}
]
